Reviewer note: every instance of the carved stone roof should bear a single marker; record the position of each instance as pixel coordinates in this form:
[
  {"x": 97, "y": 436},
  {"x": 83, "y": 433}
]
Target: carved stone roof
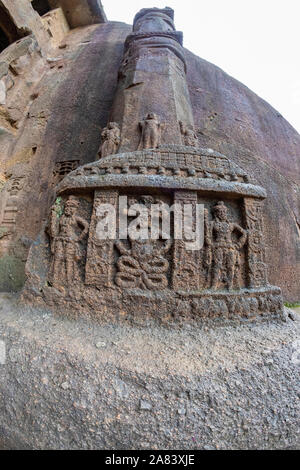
[{"x": 169, "y": 166}]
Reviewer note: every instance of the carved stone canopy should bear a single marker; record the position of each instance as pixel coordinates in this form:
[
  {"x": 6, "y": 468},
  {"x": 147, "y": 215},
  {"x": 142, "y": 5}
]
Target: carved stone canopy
[{"x": 169, "y": 166}]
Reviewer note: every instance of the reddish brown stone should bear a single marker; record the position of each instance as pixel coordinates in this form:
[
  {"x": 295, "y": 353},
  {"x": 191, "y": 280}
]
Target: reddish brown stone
[{"x": 75, "y": 102}]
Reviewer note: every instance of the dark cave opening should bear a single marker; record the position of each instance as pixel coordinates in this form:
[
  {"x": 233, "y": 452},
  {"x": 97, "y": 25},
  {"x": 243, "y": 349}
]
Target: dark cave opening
[{"x": 41, "y": 6}]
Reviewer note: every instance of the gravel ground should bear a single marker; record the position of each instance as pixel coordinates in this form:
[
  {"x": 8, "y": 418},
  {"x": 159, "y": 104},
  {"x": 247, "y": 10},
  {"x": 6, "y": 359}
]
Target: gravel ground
[{"x": 78, "y": 385}]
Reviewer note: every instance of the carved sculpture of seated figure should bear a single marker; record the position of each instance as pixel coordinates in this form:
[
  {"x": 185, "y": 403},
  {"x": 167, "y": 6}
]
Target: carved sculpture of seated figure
[
  {"x": 110, "y": 140},
  {"x": 150, "y": 132},
  {"x": 154, "y": 20},
  {"x": 225, "y": 251}
]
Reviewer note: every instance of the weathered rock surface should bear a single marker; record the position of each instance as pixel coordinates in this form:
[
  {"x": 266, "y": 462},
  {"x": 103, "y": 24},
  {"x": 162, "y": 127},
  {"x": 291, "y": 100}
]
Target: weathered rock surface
[
  {"x": 81, "y": 12},
  {"x": 77, "y": 385},
  {"x": 74, "y": 99},
  {"x": 235, "y": 121}
]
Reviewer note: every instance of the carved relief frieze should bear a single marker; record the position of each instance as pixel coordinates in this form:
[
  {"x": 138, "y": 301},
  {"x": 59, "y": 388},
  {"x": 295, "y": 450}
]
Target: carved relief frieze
[
  {"x": 182, "y": 164},
  {"x": 15, "y": 185},
  {"x": 256, "y": 247},
  {"x": 143, "y": 265},
  {"x": 185, "y": 262},
  {"x": 144, "y": 262},
  {"x": 100, "y": 251},
  {"x": 149, "y": 154}
]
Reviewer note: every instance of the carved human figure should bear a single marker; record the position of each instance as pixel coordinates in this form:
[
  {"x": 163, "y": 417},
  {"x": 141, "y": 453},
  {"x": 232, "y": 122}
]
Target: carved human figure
[
  {"x": 224, "y": 249},
  {"x": 65, "y": 241},
  {"x": 110, "y": 140},
  {"x": 189, "y": 135},
  {"x": 154, "y": 20},
  {"x": 150, "y": 132}
]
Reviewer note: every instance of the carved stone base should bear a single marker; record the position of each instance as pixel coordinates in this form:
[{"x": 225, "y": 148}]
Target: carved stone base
[{"x": 163, "y": 307}]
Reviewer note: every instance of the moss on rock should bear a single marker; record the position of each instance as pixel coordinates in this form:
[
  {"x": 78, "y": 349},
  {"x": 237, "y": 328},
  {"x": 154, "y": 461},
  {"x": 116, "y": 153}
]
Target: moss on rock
[{"x": 12, "y": 273}]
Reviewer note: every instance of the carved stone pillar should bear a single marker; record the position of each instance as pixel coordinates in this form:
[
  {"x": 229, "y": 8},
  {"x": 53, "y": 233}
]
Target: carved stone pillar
[
  {"x": 99, "y": 262},
  {"x": 185, "y": 274},
  {"x": 152, "y": 79},
  {"x": 257, "y": 270}
]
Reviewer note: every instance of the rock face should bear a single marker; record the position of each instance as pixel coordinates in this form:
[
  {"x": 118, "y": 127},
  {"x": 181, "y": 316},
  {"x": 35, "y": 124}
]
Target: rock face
[
  {"x": 131, "y": 382},
  {"x": 73, "y": 100},
  {"x": 235, "y": 121}
]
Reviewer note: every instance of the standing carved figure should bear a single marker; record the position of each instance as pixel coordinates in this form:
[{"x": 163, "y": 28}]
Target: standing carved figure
[
  {"x": 189, "y": 135},
  {"x": 150, "y": 132},
  {"x": 110, "y": 140},
  {"x": 65, "y": 243},
  {"x": 225, "y": 250}
]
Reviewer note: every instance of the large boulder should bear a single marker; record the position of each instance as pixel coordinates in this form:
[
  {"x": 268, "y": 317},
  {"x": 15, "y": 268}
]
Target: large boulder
[{"x": 74, "y": 100}]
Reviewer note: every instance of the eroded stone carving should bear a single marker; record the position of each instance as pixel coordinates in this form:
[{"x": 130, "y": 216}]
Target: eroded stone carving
[
  {"x": 9, "y": 213},
  {"x": 154, "y": 20},
  {"x": 257, "y": 270},
  {"x": 150, "y": 132},
  {"x": 16, "y": 185},
  {"x": 143, "y": 265},
  {"x": 185, "y": 273},
  {"x": 223, "y": 249},
  {"x": 110, "y": 140},
  {"x": 62, "y": 169},
  {"x": 66, "y": 232},
  {"x": 100, "y": 259},
  {"x": 143, "y": 262},
  {"x": 132, "y": 279},
  {"x": 170, "y": 160},
  {"x": 189, "y": 135}
]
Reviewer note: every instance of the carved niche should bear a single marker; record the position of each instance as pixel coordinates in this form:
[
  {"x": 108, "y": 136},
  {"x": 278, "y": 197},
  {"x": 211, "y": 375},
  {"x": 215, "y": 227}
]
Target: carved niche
[
  {"x": 144, "y": 263},
  {"x": 10, "y": 202}
]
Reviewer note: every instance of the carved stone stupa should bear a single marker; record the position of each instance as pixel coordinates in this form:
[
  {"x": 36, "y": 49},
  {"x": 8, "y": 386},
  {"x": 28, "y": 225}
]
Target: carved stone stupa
[{"x": 150, "y": 154}]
